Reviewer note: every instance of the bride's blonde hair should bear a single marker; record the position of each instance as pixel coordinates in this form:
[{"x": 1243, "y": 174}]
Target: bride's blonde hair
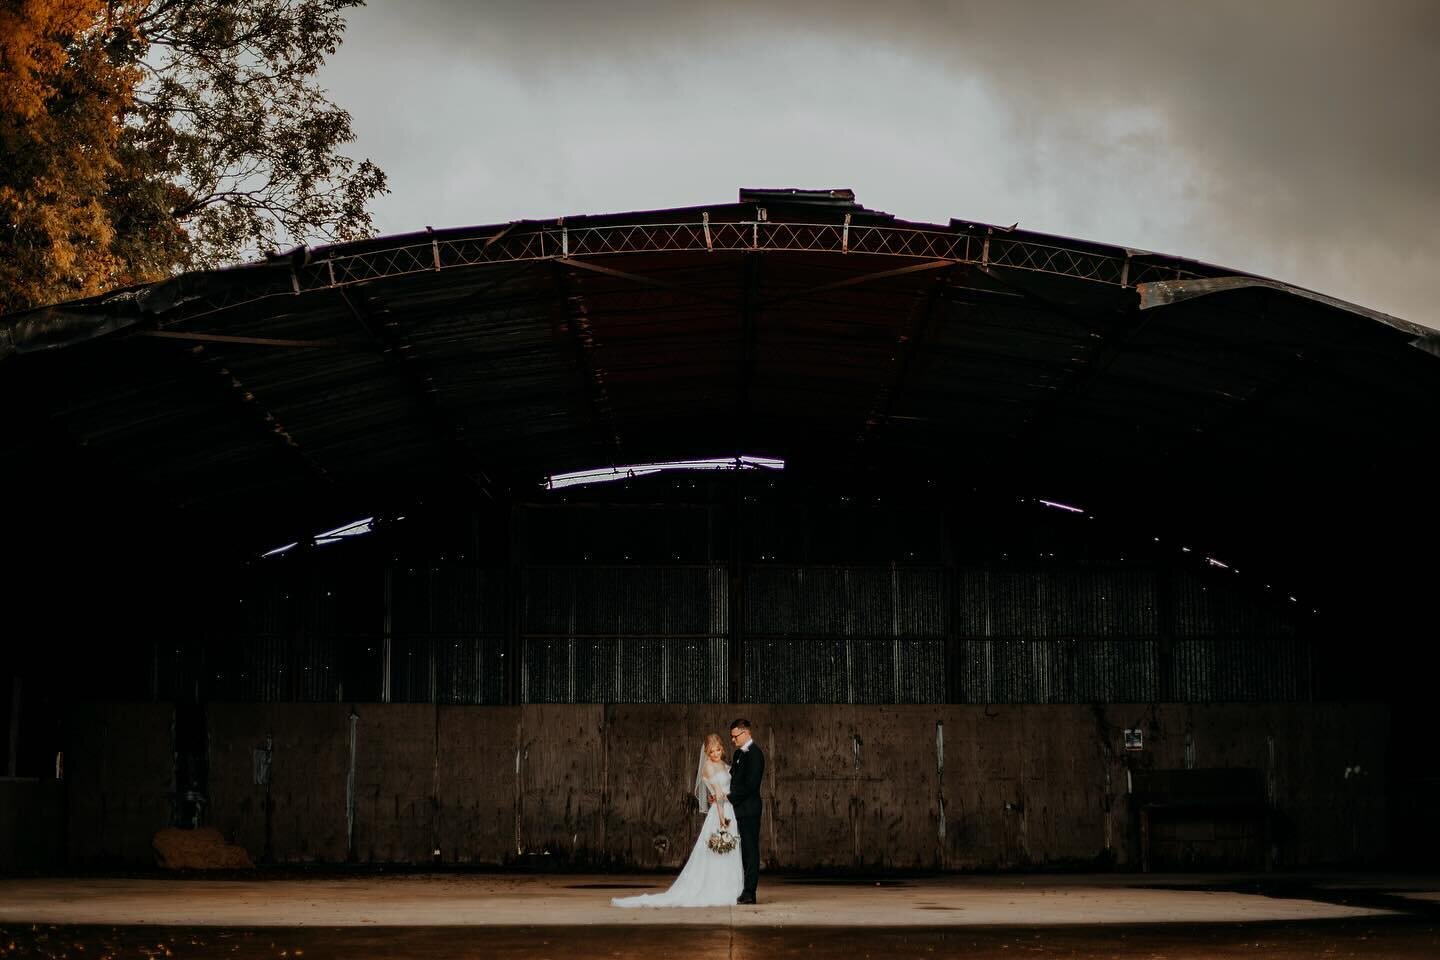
[{"x": 713, "y": 740}]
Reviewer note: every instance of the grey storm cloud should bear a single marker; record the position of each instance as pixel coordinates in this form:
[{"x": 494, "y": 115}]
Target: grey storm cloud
[{"x": 1297, "y": 138}]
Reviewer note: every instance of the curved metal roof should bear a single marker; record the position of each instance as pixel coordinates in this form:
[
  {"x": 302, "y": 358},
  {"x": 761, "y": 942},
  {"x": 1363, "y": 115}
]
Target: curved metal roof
[{"x": 794, "y": 324}]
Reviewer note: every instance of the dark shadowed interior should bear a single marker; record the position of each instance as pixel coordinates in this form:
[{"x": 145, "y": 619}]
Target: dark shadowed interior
[{"x": 1054, "y": 550}]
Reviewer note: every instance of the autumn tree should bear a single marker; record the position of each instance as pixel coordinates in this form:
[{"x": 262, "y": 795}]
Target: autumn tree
[
  {"x": 147, "y": 136},
  {"x": 62, "y": 104}
]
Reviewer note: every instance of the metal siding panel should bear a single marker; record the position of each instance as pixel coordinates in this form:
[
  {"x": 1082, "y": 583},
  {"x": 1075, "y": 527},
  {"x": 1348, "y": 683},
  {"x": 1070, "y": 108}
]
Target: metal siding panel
[
  {"x": 626, "y": 634},
  {"x": 650, "y": 633},
  {"x": 1242, "y": 669},
  {"x": 796, "y": 670},
  {"x": 1058, "y": 671},
  {"x": 626, "y": 600}
]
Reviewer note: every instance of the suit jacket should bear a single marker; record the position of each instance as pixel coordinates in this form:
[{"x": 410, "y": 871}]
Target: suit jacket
[{"x": 747, "y": 770}]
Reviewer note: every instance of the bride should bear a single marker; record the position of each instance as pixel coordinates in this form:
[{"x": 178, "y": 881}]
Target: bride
[{"x": 709, "y": 879}]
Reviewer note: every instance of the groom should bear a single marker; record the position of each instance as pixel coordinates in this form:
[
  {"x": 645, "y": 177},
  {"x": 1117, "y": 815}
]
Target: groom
[{"x": 747, "y": 769}]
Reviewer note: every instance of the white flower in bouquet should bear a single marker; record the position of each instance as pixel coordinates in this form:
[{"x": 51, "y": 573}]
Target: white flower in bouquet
[{"x": 723, "y": 841}]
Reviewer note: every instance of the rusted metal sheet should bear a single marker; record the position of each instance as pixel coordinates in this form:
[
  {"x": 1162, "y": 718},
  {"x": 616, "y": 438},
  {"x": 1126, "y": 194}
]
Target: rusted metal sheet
[
  {"x": 625, "y": 634},
  {"x": 632, "y": 600},
  {"x": 1211, "y": 607},
  {"x": 814, "y": 633},
  {"x": 858, "y": 601},
  {"x": 447, "y": 668},
  {"x": 845, "y": 634},
  {"x": 1068, "y": 635},
  {"x": 1216, "y": 669},
  {"x": 625, "y": 669},
  {"x": 1010, "y": 601},
  {"x": 1159, "y": 293},
  {"x": 449, "y": 599},
  {"x": 844, "y": 670},
  {"x": 1058, "y": 671}
]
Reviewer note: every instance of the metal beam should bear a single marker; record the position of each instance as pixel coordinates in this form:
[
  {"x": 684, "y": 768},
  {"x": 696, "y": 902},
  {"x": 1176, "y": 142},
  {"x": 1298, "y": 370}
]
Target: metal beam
[
  {"x": 573, "y": 313},
  {"x": 686, "y": 289},
  {"x": 921, "y": 316},
  {"x": 1110, "y": 331},
  {"x": 867, "y": 278},
  {"x": 238, "y": 391},
  {"x": 746, "y": 347},
  {"x": 744, "y": 374},
  {"x": 531, "y": 242},
  {"x": 407, "y": 367},
  {"x": 246, "y": 341}
]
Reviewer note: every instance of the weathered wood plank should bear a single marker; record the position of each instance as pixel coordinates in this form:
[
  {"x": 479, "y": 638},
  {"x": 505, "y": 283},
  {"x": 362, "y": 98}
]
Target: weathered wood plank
[
  {"x": 307, "y": 777},
  {"x": 589, "y": 784},
  {"x": 395, "y": 768},
  {"x": 562, "y": 779},
  {"x": 120, "y": 768},
  {"x": 477, "y": 802}
]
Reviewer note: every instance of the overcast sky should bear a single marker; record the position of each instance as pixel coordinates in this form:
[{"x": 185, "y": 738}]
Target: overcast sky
[{"x": 1296, "y": 139}]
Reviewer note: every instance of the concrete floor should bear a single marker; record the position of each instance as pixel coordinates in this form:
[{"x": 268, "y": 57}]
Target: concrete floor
[
  {"x": 584, "y": 900},
  {"x": 474, "y": 915}
]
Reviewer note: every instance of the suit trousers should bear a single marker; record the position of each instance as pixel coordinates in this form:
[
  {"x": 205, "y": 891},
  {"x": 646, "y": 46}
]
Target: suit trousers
[{"x": 749, "y": 851}]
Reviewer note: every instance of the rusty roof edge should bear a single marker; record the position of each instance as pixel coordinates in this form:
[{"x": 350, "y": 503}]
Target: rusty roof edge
[
  {"x": 64, "y": 324},
  {"x": 1161, "y": 293}
]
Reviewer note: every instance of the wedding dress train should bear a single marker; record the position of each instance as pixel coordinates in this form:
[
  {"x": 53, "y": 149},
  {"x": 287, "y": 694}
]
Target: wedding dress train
[{"x": 709, "y": 879}]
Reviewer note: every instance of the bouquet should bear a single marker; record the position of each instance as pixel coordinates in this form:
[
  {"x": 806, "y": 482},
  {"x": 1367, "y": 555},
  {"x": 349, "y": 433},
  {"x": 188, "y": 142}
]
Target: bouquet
[{"x": 723, "y": 841}]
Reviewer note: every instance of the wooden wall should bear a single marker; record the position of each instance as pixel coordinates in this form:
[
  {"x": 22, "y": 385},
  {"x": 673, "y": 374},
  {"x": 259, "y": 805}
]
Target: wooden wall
[
  {"x": 951, "y": 787},
  {"x": 119, "y": 779}
]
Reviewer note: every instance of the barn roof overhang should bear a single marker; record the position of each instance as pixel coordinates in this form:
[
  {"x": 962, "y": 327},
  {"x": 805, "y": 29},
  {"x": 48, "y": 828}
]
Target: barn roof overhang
[{"x": 798, "y": 325}]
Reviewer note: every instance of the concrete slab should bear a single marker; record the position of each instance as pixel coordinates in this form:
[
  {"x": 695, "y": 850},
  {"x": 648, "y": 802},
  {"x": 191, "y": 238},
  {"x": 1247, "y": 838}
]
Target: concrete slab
[{"x": 471, "y": 900}]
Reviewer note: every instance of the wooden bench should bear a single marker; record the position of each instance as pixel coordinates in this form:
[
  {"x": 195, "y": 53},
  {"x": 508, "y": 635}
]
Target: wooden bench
[{"x": 1230, "y": 794}]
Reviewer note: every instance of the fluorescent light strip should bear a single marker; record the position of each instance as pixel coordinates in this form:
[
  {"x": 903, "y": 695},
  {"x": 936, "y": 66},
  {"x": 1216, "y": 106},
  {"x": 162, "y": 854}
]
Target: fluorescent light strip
[
  {"x": 610, "y": 474},
  {"x": 349, "y": 530},
  {"x": 353, "y": 529}
]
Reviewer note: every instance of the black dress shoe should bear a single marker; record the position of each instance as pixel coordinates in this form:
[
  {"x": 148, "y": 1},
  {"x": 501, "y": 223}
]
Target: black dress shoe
[{"x": 745, "y": 900}]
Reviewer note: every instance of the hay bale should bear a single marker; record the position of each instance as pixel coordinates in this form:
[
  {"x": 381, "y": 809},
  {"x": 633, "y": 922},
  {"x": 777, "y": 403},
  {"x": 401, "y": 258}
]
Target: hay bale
[{"x": 202, "y": 849}]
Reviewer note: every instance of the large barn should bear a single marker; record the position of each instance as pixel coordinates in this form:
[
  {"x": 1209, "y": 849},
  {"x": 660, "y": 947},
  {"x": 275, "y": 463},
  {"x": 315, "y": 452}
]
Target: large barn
[{"x": 449, "y": 547}]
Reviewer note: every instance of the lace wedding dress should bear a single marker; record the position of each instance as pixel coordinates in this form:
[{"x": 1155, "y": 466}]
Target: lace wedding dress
[{"x": 709, "y": 879}]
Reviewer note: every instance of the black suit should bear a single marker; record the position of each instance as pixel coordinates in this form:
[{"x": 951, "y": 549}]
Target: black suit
[{"x": 747, "y": 770}]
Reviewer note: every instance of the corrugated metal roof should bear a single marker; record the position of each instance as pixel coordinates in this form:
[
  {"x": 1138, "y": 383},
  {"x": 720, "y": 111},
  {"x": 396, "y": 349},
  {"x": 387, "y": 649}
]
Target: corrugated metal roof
[{"x": 334, "y": 381}]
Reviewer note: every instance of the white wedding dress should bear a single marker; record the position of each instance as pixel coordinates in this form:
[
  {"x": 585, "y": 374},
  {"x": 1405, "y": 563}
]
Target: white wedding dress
[{"x": 709, "y": 879}]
